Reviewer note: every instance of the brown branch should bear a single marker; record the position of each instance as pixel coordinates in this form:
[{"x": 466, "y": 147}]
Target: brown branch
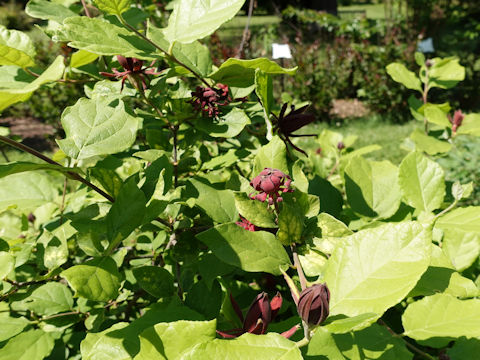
[{"x": 245, "y": 31}]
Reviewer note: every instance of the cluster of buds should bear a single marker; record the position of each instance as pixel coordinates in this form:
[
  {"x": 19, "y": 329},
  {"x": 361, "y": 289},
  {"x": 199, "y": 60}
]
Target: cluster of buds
[
  {"x": 133, "y": 71},
  {"x": 259, "y": 315},
  {"x": 247, "y": 225},
  {"x": 271, "y": 183},
  {"x": 457, "y": 120},
  {"x": 313, "y": 304},
  {"x": 207, "y": 99}
]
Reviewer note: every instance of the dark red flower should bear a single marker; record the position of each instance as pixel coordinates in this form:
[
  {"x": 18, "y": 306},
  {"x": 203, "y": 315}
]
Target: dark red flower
[
  {"x": 259, "y": 315},
  {"x": 457, "y": 120},
  {"x": 271, "y": 183},
  {"x": 134, "y": 71},
  {"x": 287, "y": 124},
  {"x": 247, "y": 225},
  {"x": 313, "y": 304},
  {"x": 208, "y": 99},
  {"x": 340, "y": 145}
]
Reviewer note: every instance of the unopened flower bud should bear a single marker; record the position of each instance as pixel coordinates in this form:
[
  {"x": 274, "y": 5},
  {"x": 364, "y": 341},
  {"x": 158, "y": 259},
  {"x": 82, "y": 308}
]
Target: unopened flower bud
[
  {"x": 313, "y": 304},
  {"x": 31, "y": 218},
  {"x": 340, "y": 145},
  {"x": 429, "y": 63}
]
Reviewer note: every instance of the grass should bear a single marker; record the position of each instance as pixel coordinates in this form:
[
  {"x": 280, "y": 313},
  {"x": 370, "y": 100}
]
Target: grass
[
  {"x": 370, "y": 130},
  {"x": 373, "y": 11}
]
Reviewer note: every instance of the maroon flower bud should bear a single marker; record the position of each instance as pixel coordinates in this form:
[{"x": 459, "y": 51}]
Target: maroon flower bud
[
  {"x": 31, "y": 218},
  {"x": 133, "y": 71},
  {"x": 208, "y": 99},
  {"x": 340, "y": 145},
  {"x": 313, "y": 304},
  {"x": 271, "y": 183},
  {"x": 318, "y": 151},
  {"x": 457, "y": 120},
  {"x": 247, "y": 225},
  {"x": 428, "y": 63}
]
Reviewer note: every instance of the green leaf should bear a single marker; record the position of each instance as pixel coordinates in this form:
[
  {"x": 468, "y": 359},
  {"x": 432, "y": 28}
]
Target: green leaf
[
  {"x": 248, "y": 250},
  {"x": 374, "y": 342},
  {"x": 22, "y": 166},
  {"x": 374, "y": 269},
  {"x": 442, "y": 315},
  {"x": 49, "y": 299},
  {"x": 126, "y": 213},
  {"x": 264, "y": 90},
  {"x": 290, "y": 224},
  {"x": 273, "y": 155},
  {"x": 470, "y": 125},
  {"x": 204, "y": 299},
  {"x": 106, "y": 346},
  {"x": 272, "y": 346},
  {"x": 355, "y": 323},
  {"x": 7, "y": 264},
  {"x": 254, "y": 211},
  {"x": 445, "y": 73},
  {"x": 194, "y": 19},
  {"x": 299, "y": 179},
  {"x": 14, "y": 93},
  {"x": 158, "y": 177},
  {"x": 218, "y": 204},
  {"x": 429, "y": 144},
  {"x": 54, "y": 246},
  {"x": 26, "y": 192},
  {"x": 401, "y": 74},
  {"x": 48, "y": 10},
  {"x": 155, "y": 280},
  {"x": 372, "y": 187},
  {"x": 29, "y": 345},
  {"x": 422, "y": 182},
  {"x": 96, "y": 127},
  {"x": 331, "y": 200},
  {"x": 114, "y": 7},
  {"x": 241, "y": 73},
  {"x": 227, "y": 126},
  {"x": 435, "y": 115},
  {"x": 97, "y": 279},
  {"x": 464, "y": 349},
  {"x": 194, "y": 55},
  {"x": 174, "y": 340},
  {"x": 16, "y": 48},
  {"x": 419, "y": 58},
  {"x": 82, "y": 57},
  {"x": 461, "y": 235},
  {"x": 10, "y": 326},
  {"x": 100, "y": 37}
]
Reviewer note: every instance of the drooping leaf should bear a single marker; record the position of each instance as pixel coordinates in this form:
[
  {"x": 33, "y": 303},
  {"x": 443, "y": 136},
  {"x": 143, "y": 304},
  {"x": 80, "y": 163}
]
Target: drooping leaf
[
  {"x": 445, "y": 73},
  {"x": 248, "y": 250},
  {"x": 194, "y": 19},
  {"x": 241, "y": 73},
  {"x": 174, "y": 340},
  {"x": 155, "y": 280},
  {"x": 29, "y": 345},
  {"x": 22, "y": 166},
  {"x": 429, "y": 144},
  {"x": 16, "y": 48},
  {"x": 401, "y": 74},
  {"x": 115, "y": 7},
  {"x": 82, "y": 57},
  {"x": 442, "y": 315},
  {"x": 97, "y": 279},
  {"x": 355, "y": 323},
  {"x": 48, "y": 10},
  {"x": 372, "y": 187},
  {"x": 264, "y": 90},
  {"x": 96, "y": 127},
  {"x": 272, "y": 346},
  {"x": 49, "y": 299},
  {"x": 374, "y": 269},
  {"x": 254, "y": 211},
  {"x": 422, "y": 182}
]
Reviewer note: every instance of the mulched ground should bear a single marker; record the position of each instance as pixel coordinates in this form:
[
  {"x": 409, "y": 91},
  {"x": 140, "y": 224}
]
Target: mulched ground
[
  {"x": 348, "y": 108},
  {"x": 33, "y": 132}
]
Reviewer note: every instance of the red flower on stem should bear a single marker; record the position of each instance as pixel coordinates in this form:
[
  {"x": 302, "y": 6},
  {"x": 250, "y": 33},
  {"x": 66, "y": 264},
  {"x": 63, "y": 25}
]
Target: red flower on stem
[
  {"x": 134, "y": 71},
  {"x": 259, "y": 315},
  {"x": 208, "y": 99},
  {"x": 247, "y": 225},
  {"x": 271, "y": 183},
  {"x": 457, "y": 120},
  {"x": 313, "y": 304}
]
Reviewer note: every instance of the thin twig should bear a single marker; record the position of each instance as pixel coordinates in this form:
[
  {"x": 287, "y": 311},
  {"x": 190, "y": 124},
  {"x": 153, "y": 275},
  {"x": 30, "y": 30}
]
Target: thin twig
[
  {"x": 175, "y": 154},
  {"x": 73, "y": 175},
  {"x": 86, "y": 9},
  {"x": 4, "y": 154},
  {"x": 61, "y": 314},
  {"x": 245, "y": 31},
  {"x": 63, "y": 199}
]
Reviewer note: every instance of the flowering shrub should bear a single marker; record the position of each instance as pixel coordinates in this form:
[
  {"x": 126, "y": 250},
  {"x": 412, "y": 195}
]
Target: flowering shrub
[{"x": 133, "y": 239}]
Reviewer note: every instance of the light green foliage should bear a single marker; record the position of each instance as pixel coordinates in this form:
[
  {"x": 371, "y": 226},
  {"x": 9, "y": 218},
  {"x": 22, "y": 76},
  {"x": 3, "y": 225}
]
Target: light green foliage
[
  {"x": 97, "y": 127},
  {"x": 21, "y": 166},
  {"x": 256, "y": 212},
  {"x": 101, "y": 346},
  {"x": 7, "y": 264},
  {"x": 428, "y": 144},
  {"x": 82, "y": 57},
  {"x": 422, "y": 182},
  {"x": 273, "y": 155},
  {"x": 374, "y": 269},
  {"x": 470, "y": 125},
  {"x": 11, "y": 326},
  {"x": 436, "y": 115},
  {"x": 290, "y": 224},
  {"x": 50, "y": 299},
  {"x": 264, "y": 90},
  {"x": 48, "y": 10},
  {"x": 250, "y": 251},
  {"x": 16, "y": 48},
  {"x": 194, "y": 19},
  {"x": 115, "y": 7},
  {"x": 54, "y": 245},
  {"x": 241, "y": 73},
  {"x": 442, "y": 315},
  {"x": 174, "y": 340},
  {"x": 248, "y": 347},
  {"x": 29, "y": 345},
  {"x": 97, "y": 279},
  {"x": 227, "y": 126},
  {"x": 372, "y": 187},
  {"x": 445, "y": 73},
  {"x": 401, "y": 74}
]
